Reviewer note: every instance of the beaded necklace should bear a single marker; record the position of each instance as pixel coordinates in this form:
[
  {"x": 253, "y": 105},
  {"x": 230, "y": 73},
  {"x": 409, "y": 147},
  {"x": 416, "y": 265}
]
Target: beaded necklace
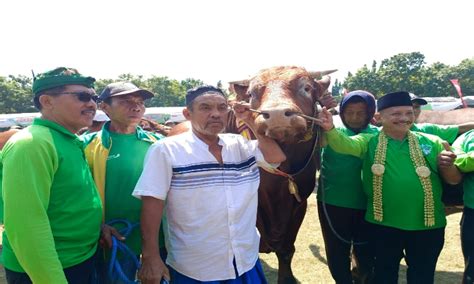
[{"x": 423, "y": 172}]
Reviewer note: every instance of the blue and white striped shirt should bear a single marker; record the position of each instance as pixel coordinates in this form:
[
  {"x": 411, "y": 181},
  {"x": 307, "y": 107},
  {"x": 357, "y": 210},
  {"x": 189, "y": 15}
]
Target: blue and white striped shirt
[{"x": 211, "y": 208}]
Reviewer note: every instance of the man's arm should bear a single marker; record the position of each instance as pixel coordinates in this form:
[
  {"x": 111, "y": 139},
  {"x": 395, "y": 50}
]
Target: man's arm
[
  {"x": 271, "y": 151},
  {"x": 152, "y": 189},
  {"x": 28, "y": 170},
  {"x": 448, "y": 171},
  {"x": 153, "y": 267},
  {"x": 465, "y": 127},
  {"x": 464, "y": 147}
]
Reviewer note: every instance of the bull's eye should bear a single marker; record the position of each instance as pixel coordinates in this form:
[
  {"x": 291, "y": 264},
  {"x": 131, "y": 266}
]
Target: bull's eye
[{"x": 253, "y": 94}]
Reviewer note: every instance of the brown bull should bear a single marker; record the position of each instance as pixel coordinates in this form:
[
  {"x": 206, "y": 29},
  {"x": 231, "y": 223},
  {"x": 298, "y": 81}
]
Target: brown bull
[
  {"x": 279, "y": 95},
  {"x": 4, "y": 136},
  {"x": 457, "y": 116}
]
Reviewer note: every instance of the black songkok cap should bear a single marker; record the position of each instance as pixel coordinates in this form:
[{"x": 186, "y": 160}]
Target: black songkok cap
[
  {"x": 394, "y": 99},
  {"x": 192, "y": 94}
]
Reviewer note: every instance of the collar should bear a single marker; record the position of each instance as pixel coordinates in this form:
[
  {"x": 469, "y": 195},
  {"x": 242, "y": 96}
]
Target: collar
[
  {"x": 201, "y": 143},
  {"x": 140, "y": 134},
  {"x": 59, "y": 128}
]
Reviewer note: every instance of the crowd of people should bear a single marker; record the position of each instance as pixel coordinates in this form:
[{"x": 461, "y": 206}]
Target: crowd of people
[{"x": 184, "y": 208}]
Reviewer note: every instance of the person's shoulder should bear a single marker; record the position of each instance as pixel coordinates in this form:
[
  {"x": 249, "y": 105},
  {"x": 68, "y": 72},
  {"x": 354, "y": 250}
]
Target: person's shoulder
[
  {"x": 29, "y": 140},
  {"x": 466, "y": 137},
  {"x": 154, "y": 135},
  {"x": 179, "y": 139},
  {"x": 372, "y": 129},
  {"x": 232, "y": 139},
  {"x": 87, "y": 138},
  {"x": 427, "y": 137}
]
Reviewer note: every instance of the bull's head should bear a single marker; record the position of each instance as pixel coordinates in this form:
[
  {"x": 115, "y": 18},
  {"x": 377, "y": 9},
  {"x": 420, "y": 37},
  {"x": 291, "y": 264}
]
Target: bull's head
[{"x": 280, "y": 94}]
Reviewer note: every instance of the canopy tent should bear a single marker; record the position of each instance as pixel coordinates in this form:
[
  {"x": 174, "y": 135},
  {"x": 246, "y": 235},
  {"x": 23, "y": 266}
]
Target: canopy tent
[{"x": 158, "y": 114}]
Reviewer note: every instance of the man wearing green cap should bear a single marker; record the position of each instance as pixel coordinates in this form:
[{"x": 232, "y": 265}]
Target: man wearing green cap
[{"x": 52, "y": 211}]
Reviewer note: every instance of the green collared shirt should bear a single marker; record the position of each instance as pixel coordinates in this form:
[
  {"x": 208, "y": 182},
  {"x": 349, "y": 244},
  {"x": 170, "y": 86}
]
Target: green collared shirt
[
  {"x": 402, "y": 192},
  {"x": 117, "y": 162},
  {"x": 464, "y": 147},
  {"x": 52, "y": 211},
  {"x": 340, "y": 182}
]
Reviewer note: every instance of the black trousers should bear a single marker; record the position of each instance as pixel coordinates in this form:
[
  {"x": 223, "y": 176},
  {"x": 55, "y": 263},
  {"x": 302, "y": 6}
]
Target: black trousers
[
  {"x": 467, "y": 244},
  {"x": 77, "y": 274},
  {"x": 422, "y": 249},
  {"x": 348, "y": 237}
]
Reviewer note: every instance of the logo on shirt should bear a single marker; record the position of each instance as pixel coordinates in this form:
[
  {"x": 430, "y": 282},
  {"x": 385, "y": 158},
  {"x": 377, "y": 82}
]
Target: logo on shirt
[
  {"x": 426, "y": 149},
  {"x": 111, "y": 157}
]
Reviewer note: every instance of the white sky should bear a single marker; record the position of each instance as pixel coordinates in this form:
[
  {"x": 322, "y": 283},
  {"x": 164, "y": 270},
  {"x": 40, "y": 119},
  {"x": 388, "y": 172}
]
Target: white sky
[{"x": 227, "y": 39}]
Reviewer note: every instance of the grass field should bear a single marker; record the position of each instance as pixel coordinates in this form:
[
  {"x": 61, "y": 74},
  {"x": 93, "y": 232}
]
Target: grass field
[{"x": 309, "y": 262}]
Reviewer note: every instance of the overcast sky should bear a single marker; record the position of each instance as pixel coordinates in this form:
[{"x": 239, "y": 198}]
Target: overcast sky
[{"x": 227, "y": 40}]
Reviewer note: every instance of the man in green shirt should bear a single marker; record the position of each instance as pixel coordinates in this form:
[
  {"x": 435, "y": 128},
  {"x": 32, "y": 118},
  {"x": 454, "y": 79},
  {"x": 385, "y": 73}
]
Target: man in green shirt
[
  {"x": 445, "y": 132},
  {"x": 115, "y": 155},
  {"x": 341, "y": 199},
  {"x": 465, "y": 162},
  {"x": 401, "y": 177},
  {"x": 52, "y": 211}
]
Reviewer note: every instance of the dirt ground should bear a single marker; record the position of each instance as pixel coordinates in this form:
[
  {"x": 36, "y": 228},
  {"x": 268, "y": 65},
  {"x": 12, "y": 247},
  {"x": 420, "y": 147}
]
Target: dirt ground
[{"x": 309, "y": 262}]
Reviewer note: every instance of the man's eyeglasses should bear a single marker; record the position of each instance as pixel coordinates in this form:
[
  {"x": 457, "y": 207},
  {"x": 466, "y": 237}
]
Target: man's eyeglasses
[{"x": 82, "y": 96}]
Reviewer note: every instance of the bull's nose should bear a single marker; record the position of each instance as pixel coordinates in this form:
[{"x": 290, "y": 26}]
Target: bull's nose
[{"x": 283, "y": 113}]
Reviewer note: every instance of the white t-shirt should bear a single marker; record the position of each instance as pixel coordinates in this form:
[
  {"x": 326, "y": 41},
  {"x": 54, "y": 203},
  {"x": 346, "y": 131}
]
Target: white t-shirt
[{"x": 211, "y": 209}]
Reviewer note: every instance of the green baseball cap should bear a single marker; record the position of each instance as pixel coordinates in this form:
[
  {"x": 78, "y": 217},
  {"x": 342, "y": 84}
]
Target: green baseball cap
[{"x": 59, "y": 77}]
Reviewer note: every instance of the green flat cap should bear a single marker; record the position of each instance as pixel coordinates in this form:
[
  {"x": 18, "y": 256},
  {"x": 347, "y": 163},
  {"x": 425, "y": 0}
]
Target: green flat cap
[{"x": 59, "y": 77}]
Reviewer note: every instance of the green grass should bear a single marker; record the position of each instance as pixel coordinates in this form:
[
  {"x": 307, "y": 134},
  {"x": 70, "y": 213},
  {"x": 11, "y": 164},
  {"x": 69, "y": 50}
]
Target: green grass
[{"x": 309, "y": 262}]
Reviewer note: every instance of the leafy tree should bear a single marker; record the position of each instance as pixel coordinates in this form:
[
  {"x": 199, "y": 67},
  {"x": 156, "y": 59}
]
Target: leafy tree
[
  {"x": 16, "y": 95},
  {"x": 409, "y": 72}
]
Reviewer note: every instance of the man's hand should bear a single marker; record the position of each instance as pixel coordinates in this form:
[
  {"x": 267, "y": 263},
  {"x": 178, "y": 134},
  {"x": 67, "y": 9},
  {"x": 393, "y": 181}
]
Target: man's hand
[
  {"x": 326, "y": 119},
  {"x": 242, "y": 111},
  {"x": 153, "y": 270},
  {"x": 328, "y": 101},
  {"x": 447, "y": 157},
  {"x": 106, "y": 235}
]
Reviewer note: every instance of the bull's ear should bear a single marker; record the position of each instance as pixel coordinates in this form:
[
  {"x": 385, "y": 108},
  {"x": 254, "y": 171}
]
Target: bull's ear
[
  {"x": 240, "y": 90},
  {"x": 323, "y": 84}
]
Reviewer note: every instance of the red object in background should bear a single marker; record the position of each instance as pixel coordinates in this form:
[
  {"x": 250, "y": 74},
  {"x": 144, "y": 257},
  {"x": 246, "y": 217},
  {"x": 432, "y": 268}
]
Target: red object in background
[{"x": 457, "y": 86}]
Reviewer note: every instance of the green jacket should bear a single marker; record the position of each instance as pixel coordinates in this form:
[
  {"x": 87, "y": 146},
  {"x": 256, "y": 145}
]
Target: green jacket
[
  {"x": 97, "y": 151},
  {"x": 52, "y": 211}
]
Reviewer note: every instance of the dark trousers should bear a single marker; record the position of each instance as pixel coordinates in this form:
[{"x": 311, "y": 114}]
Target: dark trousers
[
  {"x": 346, "y": 234},
  {"x": 422, "y": 249},
  {"x": 467, "y": 244},
  {"x": 77, "y": 274}
]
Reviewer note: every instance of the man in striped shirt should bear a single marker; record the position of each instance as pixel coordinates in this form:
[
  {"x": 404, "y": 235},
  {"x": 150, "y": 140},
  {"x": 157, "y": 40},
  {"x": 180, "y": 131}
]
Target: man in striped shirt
[{"x": 209, "y": 181}]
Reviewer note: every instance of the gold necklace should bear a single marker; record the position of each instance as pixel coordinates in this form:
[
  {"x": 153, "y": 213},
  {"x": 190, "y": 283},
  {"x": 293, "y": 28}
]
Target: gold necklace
[{"x": 423, "y": 172}]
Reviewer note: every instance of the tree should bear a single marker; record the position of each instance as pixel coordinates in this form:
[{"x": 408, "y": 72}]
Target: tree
[
  {"x": 409, "y": 72},
  {"x": 16, "y": 94}
]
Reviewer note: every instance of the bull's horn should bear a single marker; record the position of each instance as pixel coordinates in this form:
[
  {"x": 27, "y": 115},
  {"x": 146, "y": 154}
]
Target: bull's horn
[
  {"x": 325, "y": 80},
  {"x": 319, "y": 74},
  {"x": 241, "y": 82}
]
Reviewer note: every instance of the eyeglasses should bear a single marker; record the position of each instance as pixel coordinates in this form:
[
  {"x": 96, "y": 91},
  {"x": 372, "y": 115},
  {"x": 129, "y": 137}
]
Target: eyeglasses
[{"x": 82, "y": 96}]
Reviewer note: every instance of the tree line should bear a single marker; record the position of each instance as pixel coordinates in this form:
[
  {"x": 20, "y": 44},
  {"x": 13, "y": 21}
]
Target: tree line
[
  {"x": 404, "y": 71},
  {"x": 16, "y": 95},
  {"x": 409, "y": 72}
]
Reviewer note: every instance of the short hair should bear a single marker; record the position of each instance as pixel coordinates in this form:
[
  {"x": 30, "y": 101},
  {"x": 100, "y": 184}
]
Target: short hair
[{"x": 50, "y": 92}]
